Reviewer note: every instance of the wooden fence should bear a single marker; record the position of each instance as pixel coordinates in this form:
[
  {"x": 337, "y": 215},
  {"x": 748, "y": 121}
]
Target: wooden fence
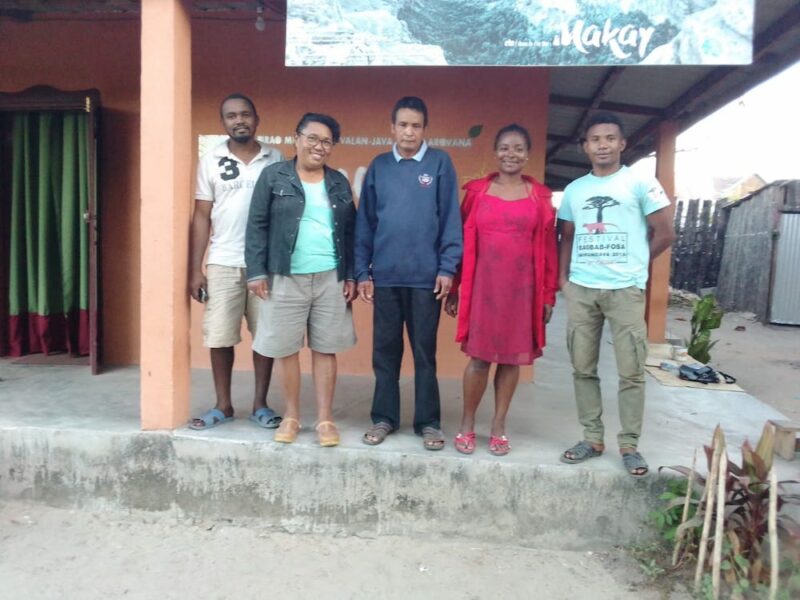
[
  {"x": 755, "y": 232},
  {"x": 697, "y": 251}
]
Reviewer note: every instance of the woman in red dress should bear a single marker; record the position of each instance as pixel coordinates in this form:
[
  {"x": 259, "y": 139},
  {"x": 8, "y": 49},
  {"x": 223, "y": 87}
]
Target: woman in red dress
[{"x": 507, "y": 282}]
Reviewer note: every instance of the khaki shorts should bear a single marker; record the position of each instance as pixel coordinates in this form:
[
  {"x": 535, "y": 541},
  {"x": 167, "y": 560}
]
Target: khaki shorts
[
  {"x": 305, "y": 304},
  {"x": 228, "y": 301}
]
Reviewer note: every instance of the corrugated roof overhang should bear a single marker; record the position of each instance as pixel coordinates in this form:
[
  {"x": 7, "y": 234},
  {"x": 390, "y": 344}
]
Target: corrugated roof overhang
[{"x": 643, "y": 96}]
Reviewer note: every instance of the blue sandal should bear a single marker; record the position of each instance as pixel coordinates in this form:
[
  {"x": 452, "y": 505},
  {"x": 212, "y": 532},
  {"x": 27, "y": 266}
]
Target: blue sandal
[
  {"x": 211, "y": 419},
  {"x": 266, "y": 417},
  {"x": 635, "y": 464},
  {"x": 580, "y": 452}
]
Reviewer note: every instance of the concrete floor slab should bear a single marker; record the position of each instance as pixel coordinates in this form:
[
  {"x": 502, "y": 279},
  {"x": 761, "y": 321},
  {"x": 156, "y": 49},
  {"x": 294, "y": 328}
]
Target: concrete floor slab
[{"x": 68, "y": 438}]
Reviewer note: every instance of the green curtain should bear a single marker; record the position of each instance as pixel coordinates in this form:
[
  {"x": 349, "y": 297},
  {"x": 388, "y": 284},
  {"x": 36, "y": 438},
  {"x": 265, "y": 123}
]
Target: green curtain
[{"x": 49, "y": 246}]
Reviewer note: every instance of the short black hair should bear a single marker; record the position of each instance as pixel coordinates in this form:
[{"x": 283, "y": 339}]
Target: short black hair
[
  {"x": 238, "y": 96},
  {"x": 411, "y": 103},
  {"x": 326, "y": 120},
  {"x": 603, "y": 117},
  {"x": 513, "y": 128}
]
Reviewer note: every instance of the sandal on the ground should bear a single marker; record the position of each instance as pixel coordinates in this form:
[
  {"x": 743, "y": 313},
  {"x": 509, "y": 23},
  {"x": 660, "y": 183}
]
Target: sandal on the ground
[
  {"x": 266, "y": 417},
  {"x": 330, "y": 435},
  {"x": 432, "y": 438},
  {"x": 465, "y": 442},
  {"x": 635, "y": 464},
  {"x": 287, "y": 431},
  {"x": 377, "y": 433},
  {"x": 580, "y": 452},
  {"x": 498, "y": 445},
  {"x": 210, "y": 419}
]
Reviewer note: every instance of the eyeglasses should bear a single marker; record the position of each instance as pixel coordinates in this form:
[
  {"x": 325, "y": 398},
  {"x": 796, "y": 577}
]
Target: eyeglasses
[{"x": 312, "y": 140}]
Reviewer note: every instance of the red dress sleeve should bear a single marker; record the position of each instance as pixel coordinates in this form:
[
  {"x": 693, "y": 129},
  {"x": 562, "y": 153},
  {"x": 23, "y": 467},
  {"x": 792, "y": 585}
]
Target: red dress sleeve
[
  {"x": 466, "y": 209},
  {"x": 550, "y": 249}
]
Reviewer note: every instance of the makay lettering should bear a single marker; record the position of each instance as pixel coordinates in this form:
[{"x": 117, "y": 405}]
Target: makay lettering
[{"x": 622, "y": 41}]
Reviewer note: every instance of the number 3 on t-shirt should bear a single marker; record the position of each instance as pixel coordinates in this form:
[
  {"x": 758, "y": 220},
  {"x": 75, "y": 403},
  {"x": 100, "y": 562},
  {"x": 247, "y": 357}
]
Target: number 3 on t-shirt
[{"x": 230, "y": 170}]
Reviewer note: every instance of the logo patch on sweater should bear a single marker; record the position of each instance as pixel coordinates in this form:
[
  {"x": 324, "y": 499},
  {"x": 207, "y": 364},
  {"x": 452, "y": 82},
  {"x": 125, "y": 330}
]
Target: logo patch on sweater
[{"x": 425, "y": 180}]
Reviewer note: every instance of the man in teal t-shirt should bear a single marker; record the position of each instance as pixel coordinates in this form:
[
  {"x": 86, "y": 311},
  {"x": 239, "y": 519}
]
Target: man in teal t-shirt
[{"x": 613, "y": 223}]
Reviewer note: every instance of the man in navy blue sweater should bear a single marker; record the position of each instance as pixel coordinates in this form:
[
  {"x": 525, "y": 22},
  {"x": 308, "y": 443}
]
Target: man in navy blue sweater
[{"x": 408, "y": 245}]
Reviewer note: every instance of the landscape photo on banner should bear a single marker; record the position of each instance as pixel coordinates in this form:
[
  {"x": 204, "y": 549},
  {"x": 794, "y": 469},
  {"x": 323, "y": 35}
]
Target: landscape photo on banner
[{"x": 334, "y": 33}]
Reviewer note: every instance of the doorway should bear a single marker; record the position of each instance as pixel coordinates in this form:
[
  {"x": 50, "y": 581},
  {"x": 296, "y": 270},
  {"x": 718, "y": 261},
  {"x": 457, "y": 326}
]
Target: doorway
[{"x": 49, "y": 300}]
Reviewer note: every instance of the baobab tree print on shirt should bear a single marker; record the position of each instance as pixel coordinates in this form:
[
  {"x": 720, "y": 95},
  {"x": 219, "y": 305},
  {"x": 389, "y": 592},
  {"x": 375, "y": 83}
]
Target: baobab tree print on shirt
[
  {"x": 598, "y": 203},
  {"x": 600, "y": 242}
]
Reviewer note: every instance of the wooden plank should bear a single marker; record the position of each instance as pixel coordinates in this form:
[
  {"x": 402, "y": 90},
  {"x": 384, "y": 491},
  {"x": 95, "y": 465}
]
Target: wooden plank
[
  {"x": 700, "y": 227},
  {"x": 785, "y": 425},
  {"x": 704, "y": 248},
  {"x": 677, "y": 223},
  {"x": 785, "y": 443},
  {"x": 744, "y": 269},
  {"x": 720, "y": 220},
  {"x": 690, "y": 237}
]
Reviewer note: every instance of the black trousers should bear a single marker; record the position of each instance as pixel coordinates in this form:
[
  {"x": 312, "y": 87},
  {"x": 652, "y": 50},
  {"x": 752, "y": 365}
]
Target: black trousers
[{"x": 419, "y": 310}]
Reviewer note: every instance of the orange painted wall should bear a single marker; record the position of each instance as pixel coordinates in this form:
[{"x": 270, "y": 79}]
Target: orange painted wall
[
  {"x": 73, "y": 55},
  {"x": 233, "y": 56}
]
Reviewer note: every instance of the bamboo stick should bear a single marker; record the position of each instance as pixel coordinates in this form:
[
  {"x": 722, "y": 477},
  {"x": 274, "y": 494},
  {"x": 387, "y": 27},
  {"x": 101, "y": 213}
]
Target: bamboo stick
[
  {"x": 710, "y": 492},
  {"x": 681, "y": 533},
  {"x": 773, "y": 533},
  {"x": 716, "y": 559}
]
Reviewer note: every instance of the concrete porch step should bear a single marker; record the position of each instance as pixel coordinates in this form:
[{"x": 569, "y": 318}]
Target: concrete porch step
[{"x": 347, "y": 490}]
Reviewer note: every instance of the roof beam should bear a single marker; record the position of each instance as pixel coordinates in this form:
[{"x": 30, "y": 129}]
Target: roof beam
[
  {"x": 562, "y": 139},
  {"x": 621, "y": 107},
  {"x": 609, "y": 79},
  {"x": 765, "y": 70},
  {"x": 29, "y": 7},
  {"x": 574, "y": 164},
  {"x": 557, "y": 182},
  {"x": 27, "y": 10}
]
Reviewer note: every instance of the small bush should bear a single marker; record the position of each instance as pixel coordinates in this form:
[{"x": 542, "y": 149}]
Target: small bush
[{"x": 707, "y": 316}]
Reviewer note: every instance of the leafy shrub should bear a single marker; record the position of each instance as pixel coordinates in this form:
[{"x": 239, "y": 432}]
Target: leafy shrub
[
  {"x": 707, "y": 316},
  {"x": 668, "y": 518},
  {"x": 745, "y": 543}
]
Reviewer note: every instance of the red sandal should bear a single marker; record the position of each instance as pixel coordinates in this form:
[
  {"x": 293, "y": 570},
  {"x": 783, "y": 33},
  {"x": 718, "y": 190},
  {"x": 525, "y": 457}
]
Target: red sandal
[
  {"x": 465, "y": 442},
  {"x": 498, "y": 445}
]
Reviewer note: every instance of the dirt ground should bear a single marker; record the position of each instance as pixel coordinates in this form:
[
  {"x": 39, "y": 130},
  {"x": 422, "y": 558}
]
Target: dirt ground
[
  {"x": 765, "y": 359},
  {"x": 48, "y": 553}
]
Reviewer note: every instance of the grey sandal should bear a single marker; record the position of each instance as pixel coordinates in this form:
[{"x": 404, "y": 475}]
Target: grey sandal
[
  {"x": 377, "y": 433},
  {"x": 210, "y": 419},
  {"x": 633, "y": 462},
  {"x": 580, "y": 452},
  {"x": 432, "y": 438},
  {"x": 266, "y": 417}
]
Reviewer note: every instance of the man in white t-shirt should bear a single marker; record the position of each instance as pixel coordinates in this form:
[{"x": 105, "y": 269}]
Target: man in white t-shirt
[
  {"x": 612, "y": 223},
  {"x": 226, "y": 176}
]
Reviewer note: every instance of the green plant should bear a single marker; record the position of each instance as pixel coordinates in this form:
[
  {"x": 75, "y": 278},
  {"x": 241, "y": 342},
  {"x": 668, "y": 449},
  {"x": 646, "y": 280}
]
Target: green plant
[
  {"x": 667, "y": 519},
  {"x": 707, "y": 315},
  {"x": 790, "y": 568},
  {"x": 652, "y": 569},
  {"x": 745, "y": 551},
  {"x": 650, "y": 557},
  {"x": 706, "y": 588}
]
